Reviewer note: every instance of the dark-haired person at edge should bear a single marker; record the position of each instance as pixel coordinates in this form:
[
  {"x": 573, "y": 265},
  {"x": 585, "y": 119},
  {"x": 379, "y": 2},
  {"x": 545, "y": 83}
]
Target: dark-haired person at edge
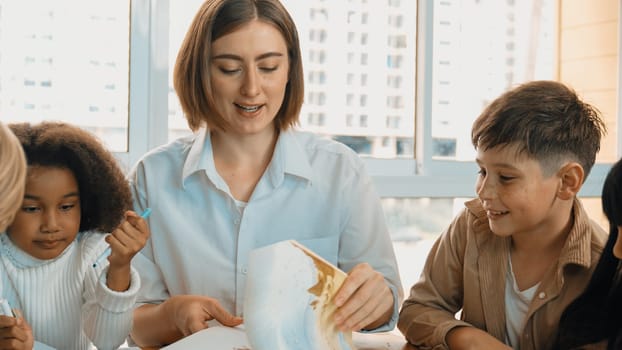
[{"x": 594, "y": 319}]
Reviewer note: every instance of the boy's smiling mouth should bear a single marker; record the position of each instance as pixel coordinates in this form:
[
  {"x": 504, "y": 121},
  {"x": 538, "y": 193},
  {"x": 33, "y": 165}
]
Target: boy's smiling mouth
[{"x": 493, "y": 214}]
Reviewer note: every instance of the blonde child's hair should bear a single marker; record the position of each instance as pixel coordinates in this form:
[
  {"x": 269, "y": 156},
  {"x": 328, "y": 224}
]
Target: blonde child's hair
[{"x": 12, "y": 176}]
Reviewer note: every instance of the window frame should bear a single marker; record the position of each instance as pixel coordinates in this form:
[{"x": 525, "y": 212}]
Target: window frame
[
  {"x": 148, "y": 76},
  {"x": 423, "y": 176}
]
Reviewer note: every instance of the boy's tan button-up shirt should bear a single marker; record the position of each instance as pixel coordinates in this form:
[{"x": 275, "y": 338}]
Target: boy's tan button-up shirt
[{"x": 466, "y": 269}]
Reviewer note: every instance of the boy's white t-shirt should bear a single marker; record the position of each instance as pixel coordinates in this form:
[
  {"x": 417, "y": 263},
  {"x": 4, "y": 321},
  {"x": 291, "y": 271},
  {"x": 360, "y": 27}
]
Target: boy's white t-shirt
[{"x": 516, "y": 306}]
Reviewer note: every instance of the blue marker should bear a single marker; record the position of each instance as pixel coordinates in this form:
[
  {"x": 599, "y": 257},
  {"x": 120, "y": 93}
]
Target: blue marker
[{"x": 107, "y": 252}]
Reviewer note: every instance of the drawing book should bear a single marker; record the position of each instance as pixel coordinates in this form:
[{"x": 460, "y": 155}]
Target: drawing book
[{"x": 288, "y": 304}]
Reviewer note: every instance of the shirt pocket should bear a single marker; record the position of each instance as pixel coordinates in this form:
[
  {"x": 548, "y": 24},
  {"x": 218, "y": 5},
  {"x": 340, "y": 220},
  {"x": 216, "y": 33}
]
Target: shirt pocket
[{"x": 326, "y": 247}]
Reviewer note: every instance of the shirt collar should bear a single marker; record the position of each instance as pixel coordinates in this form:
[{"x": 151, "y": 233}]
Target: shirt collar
[
  {"x": 289, "y": 157},
  {"x": 577, "y": 248},
  {"x": 196, "y": 159},
  {"x": 201, "y": 158}
]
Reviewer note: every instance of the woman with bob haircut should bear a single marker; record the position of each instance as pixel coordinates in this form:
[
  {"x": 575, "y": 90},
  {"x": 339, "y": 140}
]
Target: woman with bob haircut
[{"x": 246, "y": 179}]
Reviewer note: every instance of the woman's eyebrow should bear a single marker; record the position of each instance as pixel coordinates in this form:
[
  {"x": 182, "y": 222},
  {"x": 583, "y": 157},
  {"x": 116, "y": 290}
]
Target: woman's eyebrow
[{"x": 228, "y": 56}]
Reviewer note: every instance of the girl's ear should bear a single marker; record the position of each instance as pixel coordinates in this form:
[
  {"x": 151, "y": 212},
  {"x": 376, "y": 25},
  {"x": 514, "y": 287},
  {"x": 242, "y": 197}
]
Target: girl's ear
[{"x": 571, "y": 177}]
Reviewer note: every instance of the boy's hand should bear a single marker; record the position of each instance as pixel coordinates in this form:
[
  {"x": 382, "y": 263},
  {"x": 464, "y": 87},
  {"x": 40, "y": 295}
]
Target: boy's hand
[
  {"x": 471, "y": 338},
  {"x": 364, "y": 300},
  {"x": 15, "y": 333},
  {"x": 125, "y": 241}
]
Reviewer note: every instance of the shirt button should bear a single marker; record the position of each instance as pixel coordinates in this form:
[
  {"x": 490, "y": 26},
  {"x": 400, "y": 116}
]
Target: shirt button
[
  {"x": 542, "y": 295},
  {"x": 244, "y": 270},
  {"x": 236, "y": 221}
]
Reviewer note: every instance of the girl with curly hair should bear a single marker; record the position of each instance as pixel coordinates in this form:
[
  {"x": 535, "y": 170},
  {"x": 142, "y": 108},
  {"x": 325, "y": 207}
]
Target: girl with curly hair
[{"x": 75, "y": 193}]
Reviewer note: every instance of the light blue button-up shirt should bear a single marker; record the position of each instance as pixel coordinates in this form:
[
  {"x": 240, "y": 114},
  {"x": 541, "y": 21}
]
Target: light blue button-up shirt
[{"x": 315, "y": 191}]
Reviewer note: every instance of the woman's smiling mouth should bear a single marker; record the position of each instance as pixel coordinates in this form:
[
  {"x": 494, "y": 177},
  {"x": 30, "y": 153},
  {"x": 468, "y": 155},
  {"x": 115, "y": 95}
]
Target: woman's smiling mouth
[{"x": 248, "y": 109}]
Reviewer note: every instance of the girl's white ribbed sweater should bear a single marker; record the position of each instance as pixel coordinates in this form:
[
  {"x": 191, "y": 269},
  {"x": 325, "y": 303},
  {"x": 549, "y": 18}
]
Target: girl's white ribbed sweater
[{"x": 65, "y": 300}]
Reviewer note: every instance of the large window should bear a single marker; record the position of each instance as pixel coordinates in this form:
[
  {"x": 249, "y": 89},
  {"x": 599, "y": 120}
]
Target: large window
[
  {"x": 401, "y": 87},
  {"x": 67, "y": 60},
  {"x": 479, "y": 50},
  {"x": 400, "y": 82}
]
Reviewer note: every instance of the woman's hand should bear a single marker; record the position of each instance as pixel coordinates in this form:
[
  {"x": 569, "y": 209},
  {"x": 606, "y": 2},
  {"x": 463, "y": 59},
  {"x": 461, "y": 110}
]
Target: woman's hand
[
  {"x": 364, "y": 301},
  {"x": 191, "y": 313},
  {"x": 177, "y": 317}
]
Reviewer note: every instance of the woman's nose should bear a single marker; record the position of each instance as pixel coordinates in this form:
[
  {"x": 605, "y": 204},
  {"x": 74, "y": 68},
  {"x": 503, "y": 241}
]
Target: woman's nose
[{"x": 250, "y": 85}]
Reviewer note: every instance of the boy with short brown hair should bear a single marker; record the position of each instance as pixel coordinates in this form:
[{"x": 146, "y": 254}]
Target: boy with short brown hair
[{"x": 518, "y": 254}]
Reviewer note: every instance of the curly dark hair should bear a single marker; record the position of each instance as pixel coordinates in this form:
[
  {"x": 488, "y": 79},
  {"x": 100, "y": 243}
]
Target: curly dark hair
[{"x": 104, "y": 191}]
